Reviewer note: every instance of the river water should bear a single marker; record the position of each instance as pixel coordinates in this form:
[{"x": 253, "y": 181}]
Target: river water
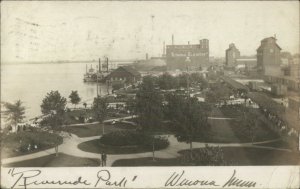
[{"x": 31, "y": 82}]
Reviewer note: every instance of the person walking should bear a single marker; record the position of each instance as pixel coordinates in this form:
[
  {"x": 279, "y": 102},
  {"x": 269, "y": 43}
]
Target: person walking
[{"x": 104, "y": 159}]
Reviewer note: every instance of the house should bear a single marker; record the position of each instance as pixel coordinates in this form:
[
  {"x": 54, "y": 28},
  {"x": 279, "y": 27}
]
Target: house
[{"x": 124, "y": 74}]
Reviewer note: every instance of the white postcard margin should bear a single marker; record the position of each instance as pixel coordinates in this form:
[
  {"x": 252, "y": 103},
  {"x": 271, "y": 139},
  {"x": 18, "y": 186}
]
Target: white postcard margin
[{"x": 273, "y": 177}]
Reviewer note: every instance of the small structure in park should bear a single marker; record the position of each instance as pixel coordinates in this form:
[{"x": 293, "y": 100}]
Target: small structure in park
[{"x": 125, "y": 75}]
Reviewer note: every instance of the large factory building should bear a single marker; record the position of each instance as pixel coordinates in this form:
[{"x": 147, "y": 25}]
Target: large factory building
[{"x": 195, "y": 55}]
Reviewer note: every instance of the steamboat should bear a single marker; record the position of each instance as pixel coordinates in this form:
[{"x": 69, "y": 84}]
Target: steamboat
[{"x": 96, "y": 75}]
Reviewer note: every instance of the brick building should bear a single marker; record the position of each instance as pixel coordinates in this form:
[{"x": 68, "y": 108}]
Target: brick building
[
  {"x": 232, "y": 53},
  {"x": 198, "y": 54}
]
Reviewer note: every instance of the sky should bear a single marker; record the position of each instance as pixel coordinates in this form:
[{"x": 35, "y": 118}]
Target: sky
[{"x": 87, "y": 30}]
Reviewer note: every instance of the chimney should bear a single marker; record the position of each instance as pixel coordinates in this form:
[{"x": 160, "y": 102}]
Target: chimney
[
  {"x": 164, "y": 49},
  {"x": 172, "y": 39},
  {"x": 146, "y": 56},
  {"x": 188, "y": 42},
  {"x": 86, "y": 68}
]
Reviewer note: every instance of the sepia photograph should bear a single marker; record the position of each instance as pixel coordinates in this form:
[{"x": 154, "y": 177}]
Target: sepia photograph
[{"x": 149, "y": 84}]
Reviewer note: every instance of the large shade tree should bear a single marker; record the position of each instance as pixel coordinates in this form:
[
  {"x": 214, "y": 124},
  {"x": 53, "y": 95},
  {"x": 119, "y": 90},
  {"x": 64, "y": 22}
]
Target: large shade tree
[
  {"x": 53, "y": 108},
  {"x": 99, "y": 108},
  {"x": 149, "y": 108},
  {"x": 189, "y": 117}
]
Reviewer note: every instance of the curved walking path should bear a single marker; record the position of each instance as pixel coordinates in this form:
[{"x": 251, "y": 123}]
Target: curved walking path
[{"x": 71, "y": 142}]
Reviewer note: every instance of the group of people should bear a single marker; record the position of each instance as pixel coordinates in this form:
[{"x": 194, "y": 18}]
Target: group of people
[{"x": 279, "y": 125}]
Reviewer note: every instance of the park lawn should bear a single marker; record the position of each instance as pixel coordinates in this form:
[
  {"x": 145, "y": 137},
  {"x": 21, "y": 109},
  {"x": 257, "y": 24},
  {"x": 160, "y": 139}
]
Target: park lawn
[
  {"x": 88, "y": 130},
  {"x": 234, "y": 131},
  {"x": 220, "y": 132},
  {"x": 262, "y": 132},
  {"x": 94, "y": 147},
  {"x": 232, "y": 111},
  {"x": 73, "y": 116},
  {"x": 62, "y": 160},
  {"x": 235, "y": 156},
  {"x": 95, "y": 129}
]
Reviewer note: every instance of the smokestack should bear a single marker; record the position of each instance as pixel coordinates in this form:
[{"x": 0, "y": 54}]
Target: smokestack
[
  {"x": 100, "y": 66},
  {"x": 107, "y": 63},
  {"x": 86, "y": 68},
  {"x": 172, "y": 39},
  {"x": 188, "y": 42},
  {"x": 146, "y": 56}
]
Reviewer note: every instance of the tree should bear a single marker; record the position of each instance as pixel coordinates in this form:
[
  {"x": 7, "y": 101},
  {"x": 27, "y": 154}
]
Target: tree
[
  {"x": 218, "y": 93},
  {"x": 190, "y": 118},
  {"x": 149, "y": 105},
  {"x": 149, "y": 108},
  {"x": 99, "y": 108},
  {"x": 53, "y": 107},
  {"x": 85, "y": 105},
  {"x": 167, "y": 81},
  {"x": 53, "y": 103},
  {"x": 74, "y": 97},
  {"x": 14, "y": 112}
]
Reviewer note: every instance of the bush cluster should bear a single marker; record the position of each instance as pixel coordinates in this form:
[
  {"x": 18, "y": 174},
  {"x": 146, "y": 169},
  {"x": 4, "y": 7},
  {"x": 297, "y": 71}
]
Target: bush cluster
[
  {"x": 35, "y": 139},
  {"x": 133, "y": 138},
  {"x": 212, "y": 156}
]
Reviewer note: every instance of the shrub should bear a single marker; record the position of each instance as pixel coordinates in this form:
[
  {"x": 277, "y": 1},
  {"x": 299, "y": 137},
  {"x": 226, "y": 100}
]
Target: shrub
[
  {"x": 159, "y": 142},
  {"x": 213, "y": 156},
  {"x": 21, "y": 140}
]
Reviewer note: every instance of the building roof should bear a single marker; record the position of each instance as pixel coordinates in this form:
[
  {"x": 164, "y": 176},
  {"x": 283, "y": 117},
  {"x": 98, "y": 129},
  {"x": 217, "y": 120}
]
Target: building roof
[
  {"x": 232, "y": 46},
  {"x": 234, "y": 84},
  {"x": 263, "y": 43}
]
